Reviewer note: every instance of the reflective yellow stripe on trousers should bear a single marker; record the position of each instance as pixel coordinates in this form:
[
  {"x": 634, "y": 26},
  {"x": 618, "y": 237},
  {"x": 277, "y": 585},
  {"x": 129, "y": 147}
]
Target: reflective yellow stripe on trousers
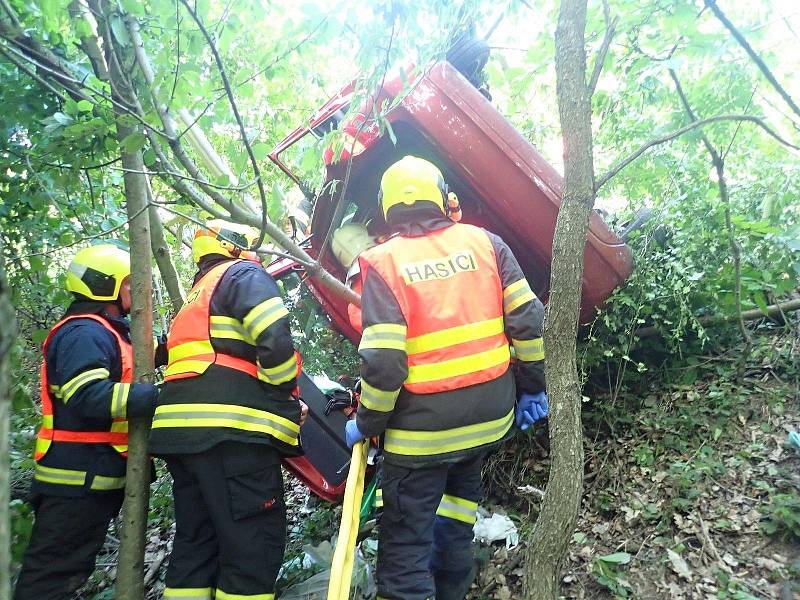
[{"x": 457, "y": 508}]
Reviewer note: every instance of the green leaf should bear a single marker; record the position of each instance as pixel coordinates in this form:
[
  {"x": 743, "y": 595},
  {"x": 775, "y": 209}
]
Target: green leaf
[
  {"x": 761, "y": 301},
  {"x": 63, "y": 119},
  {"x": 132, "y": 142},
  {"x": 261, "y": 151},
  {"x": 617, "y": 558},
  {"x": 84, "y": 106},
  {"x": 134, "y": 7},
  {"x": 119, "y": 30}
]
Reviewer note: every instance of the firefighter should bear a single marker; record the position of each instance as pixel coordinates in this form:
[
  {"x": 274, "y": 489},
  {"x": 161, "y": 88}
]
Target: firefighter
[
  {"x": 440, "y": 302},
  {"x": 87, "y": 395},
  {"x": 225, "y": 417}
]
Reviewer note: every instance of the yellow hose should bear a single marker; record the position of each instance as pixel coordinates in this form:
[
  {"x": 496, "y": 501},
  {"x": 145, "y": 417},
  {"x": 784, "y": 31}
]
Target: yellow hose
[{"x": 344, "y": 555}]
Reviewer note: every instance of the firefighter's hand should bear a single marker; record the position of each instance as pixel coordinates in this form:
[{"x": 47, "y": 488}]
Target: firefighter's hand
[
  {"x": 531, "y": 408},
  {"x": 352, "y": 434},
  {"x": 303, "y": 411}
]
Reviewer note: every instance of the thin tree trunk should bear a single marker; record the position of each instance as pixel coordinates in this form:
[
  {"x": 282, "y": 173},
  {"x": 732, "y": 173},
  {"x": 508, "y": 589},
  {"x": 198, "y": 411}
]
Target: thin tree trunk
[
  {"x": 7, "y": 336},
  {"x": 130, "y": 568},
  {"x": 547, "y": 547},
  {"x": 158, "y": 242}
]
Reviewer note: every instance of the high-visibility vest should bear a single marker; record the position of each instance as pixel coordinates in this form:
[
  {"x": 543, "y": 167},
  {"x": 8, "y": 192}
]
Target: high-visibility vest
[
  {"x": 189, "y": 341},
  {"x": 117, "y": 436},
  {"x": 449, "y": 290}
]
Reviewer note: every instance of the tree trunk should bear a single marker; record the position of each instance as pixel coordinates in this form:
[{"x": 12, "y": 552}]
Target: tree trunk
[
  {"x": 130, "y": 568},
  {"x": 7, "y": 336},
  {"x": 551, "y": 536},
  {"x": 158, "y": 242}
]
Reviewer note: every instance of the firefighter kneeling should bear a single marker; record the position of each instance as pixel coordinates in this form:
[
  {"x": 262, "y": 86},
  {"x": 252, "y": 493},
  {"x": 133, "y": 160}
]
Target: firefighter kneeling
[
  {"x": 224, "y": 419},
  {"x": 87, "y": 396},
  {"x": 440, "y": 301}
]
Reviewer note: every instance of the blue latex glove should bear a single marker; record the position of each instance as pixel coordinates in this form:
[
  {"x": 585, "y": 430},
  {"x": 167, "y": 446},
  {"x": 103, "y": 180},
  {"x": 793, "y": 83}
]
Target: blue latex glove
[
  {"x": 352, "y": 434},
  {"x": 531, "y": 408}
]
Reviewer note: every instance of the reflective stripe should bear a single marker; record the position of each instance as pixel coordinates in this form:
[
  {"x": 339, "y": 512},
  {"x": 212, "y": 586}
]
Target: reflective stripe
[
  {"x": 188, "y": 593},
  {"x": 187, "y": 366},
  {"x": 458, "y": 366},
  {"x": 119, "y": 400},
  {"x": 457, "y": 508},
  {"x": 425, "y": 443},
  {"x": 379, "y": 498},
  {"x": 190, "y": 349},
  {"x": 263, "y": 315},
  {"x": 455, "y": 335},
  {"x": 286, "y": 371},
  {"x": 529, "y": 350},
  {"x": 67, "y": 390},
  {"x": 59, "y": 476},
  {"x": 230, "y": 329},
  {"x": 375, "y": 399},
  {"x": 226, "y": 596},
  {"x": 385, "y": 336},
  {"x": 517, "y": 294},
  {"x": 225, "y": 415},
  {"x": 101, "y": 482}
]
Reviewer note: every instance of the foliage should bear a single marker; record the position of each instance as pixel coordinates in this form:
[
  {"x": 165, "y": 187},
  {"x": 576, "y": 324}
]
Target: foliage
[
  {"x": 61, "y": 183},
  {"x": 783, "y": 515},
  {"x": 605, "y": 570}
]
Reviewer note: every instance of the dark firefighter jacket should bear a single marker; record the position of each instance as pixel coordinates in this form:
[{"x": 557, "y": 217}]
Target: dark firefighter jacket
[
  {"x": 421, "y": 429},
  {"x": 249, "y": 323},
  {"x": 83, "y": 360}
]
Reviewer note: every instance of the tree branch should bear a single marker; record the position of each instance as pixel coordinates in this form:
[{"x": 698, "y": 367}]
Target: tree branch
[
  {"x": 248, "y": 147},
  {"x": 611, "y": 26},
  {"x": 736, "y": 250},
  {"x": 83, "y": 239},
  {"x": 236, "y": 212},
  {"x": 762, "y": 66},
  {"x": 624, "y": 162}
]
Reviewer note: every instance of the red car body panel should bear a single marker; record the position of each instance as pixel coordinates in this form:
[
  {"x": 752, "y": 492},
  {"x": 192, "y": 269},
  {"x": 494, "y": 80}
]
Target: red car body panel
[{"x": 502, "y": 182}]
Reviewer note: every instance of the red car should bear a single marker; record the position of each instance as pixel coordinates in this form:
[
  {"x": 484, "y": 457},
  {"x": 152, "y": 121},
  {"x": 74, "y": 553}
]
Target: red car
[{"x": 502, "y": 182}]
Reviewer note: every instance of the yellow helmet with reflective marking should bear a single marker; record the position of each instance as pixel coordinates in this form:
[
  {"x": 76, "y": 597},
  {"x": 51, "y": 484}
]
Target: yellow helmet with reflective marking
[
  {"x": 411, "y": 180},
  {"x": 97, "y": 272},
  {"x": 222, "y": 237}
]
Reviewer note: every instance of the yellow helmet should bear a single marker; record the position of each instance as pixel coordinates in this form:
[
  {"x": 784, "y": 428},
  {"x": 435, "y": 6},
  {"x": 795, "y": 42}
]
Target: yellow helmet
[
  {"x": 410, "y": 180},
  {"x": 97, "y": 272},
  {"x": 222, "y": 237}
]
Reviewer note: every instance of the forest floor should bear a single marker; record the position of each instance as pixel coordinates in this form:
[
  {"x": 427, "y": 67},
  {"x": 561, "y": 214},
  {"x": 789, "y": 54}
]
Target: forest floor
[
  {"x": 691, "y": 491},
  {"x": 695, "y": 495}
]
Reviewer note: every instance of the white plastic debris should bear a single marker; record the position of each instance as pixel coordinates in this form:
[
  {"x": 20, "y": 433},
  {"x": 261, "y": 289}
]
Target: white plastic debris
[
  {"x": 325, "y": 384},
  {"x": 488, "y": 529}
]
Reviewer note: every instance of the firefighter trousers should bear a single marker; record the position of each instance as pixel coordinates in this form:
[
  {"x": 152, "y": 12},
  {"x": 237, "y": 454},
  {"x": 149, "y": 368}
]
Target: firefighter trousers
[
  {"x": 425, "y": 543},
  {"x": 230, "y": 520},
  {"x": 67, "y": 535}
]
